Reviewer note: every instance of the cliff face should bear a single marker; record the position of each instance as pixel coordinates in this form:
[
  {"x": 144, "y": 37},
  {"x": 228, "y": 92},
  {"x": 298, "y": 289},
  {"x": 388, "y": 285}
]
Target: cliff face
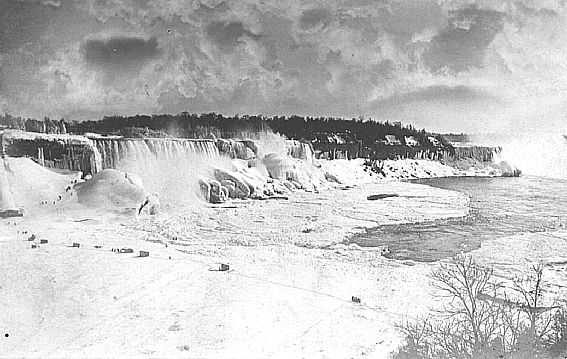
[
  {"x": 66, "y": 152},
  {"x": 467, "y": 160},
  {"x": 471, "y": 157},
  {"x": 389, "y": 150},
  {"x": 481, "y": 159},
  {"x": 385, "y": 147},
  {"x": 480, "y": 153},
  {"x": 379, "y": 151}
]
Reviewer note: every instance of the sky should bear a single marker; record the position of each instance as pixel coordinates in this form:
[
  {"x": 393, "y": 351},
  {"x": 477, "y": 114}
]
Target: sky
[{"x": 446, "y": 65}]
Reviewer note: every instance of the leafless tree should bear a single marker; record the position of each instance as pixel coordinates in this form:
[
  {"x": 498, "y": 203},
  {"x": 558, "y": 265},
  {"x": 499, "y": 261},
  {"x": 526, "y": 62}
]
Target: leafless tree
[{"x": 481, "y": 318}]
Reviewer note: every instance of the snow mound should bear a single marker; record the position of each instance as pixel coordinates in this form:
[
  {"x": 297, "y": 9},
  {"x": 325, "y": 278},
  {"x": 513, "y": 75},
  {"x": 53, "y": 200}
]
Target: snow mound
[
  {"x": 29, "y": 183},
  {"x": 112, "y": 187}
]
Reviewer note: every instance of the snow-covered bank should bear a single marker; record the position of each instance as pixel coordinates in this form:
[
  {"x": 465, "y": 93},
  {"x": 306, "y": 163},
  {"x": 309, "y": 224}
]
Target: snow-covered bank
[
  {"x": 361, "y": 171},
  {"x": 288, "y": 292},
  {"x": 413, "y": 169}
]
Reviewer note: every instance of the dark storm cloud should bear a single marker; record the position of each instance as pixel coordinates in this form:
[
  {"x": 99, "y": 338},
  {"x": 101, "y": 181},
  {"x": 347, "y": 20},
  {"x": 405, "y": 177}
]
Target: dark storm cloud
[
  {"x": 277, "y": 40},
  {"x": 542, "y": 12},
  {"x": 293, "y": 59},
  {"x": 384, "y": 67},
  {"x": 366, "y": 26},
  {"x": 403, "y": 19},
  {"x": 227, "y": 35},
  {"x": 334, "y": 56},
  {"x": 462, "y": 44},
  {"x": 313, "y": 18},
  {"x": 22, "y": 23},
  {"x": 120, "y": 51}
]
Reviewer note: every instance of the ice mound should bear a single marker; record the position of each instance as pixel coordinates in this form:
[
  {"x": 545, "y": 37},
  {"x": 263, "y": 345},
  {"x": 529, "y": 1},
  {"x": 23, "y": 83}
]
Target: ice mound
[
  {"x": 506, "y": 169},
  {"x": 115, "y": 188},
  {"x": 301, "y": 150},
  {"x": 243, "y": 149},
  {"x": 258, "y": 178},
  {"x": 258, "y": 168},
  {"x": 282, "y": 167},
  {"x": 27, "y": 184}
]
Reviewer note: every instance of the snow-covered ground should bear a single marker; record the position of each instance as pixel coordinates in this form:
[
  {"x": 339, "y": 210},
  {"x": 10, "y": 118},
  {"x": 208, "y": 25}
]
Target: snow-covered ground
[{"x": 287, "y": 294}]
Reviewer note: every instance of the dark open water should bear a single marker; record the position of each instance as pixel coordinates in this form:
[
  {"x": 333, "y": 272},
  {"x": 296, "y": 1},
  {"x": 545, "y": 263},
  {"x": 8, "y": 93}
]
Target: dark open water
[{"x": 499, "y": 207}]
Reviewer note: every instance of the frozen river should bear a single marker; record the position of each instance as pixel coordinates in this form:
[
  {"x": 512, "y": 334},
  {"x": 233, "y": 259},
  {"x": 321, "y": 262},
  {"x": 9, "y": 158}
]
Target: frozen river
[{"x": 499, "y": 207}]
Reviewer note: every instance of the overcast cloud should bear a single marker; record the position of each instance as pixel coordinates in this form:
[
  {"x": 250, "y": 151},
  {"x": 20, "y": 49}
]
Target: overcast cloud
[{"x": 446, "y": 65}]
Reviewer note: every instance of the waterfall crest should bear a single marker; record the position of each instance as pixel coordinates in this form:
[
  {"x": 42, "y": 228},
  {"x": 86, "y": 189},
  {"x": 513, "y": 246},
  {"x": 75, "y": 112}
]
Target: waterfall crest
[{"x": 113, "y": 151}]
